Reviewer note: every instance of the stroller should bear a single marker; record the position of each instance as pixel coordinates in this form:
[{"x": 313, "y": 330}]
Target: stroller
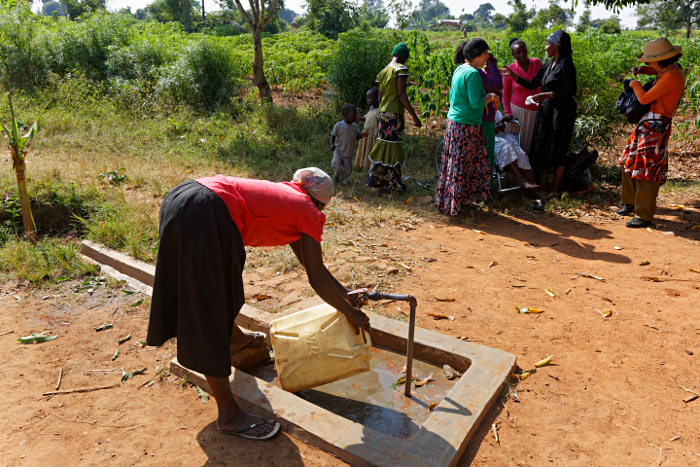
[{"x": 512, "y": 127}]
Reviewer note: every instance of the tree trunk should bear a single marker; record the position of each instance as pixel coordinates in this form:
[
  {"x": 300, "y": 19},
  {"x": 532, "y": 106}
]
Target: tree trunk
[
  {"x": 258, "y": 70},
  {"x": 185, "y": 13},
  {"x": 204, "y": 18},
  {"x": 27, "y": 218},
  {"x": 688, "y": 28}
]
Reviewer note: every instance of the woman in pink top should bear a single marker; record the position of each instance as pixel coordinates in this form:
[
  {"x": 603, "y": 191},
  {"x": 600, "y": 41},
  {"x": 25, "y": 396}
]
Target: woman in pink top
[
  {"x": 515, "y": 105},
  {"x": 205, "y": 225}
]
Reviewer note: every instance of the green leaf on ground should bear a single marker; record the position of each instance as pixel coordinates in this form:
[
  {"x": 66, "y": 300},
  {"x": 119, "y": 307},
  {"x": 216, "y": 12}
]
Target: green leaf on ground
[
  {"x": 104, "y": 327},
  {"x": 203, "y": 395},
  {"x": 130, "y": 292},
  {"x": 123, "y": 339},
  {"x": 35, "y": 339},
  {"x": 125, "y": 375},
  {"x": 116, "y": 355}
]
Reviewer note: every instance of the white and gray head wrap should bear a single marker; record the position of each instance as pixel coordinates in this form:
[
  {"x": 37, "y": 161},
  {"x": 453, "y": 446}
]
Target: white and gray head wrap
[
  {"x": 555, "y": 37},
  {"x": 318, "y": 183}
]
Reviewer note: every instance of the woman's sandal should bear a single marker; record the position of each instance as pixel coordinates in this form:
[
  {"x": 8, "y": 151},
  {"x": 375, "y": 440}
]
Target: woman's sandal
[
  {"x": 240, "y": 433},
  {"x": 258, "y": 337}
]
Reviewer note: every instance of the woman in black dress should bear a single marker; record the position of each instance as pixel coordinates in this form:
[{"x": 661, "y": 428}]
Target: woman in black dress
[{"x": 556, "y": 116}]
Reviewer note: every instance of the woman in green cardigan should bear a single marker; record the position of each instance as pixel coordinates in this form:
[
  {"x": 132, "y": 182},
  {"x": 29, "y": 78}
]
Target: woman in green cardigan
[{"x": 465, "y": 174}]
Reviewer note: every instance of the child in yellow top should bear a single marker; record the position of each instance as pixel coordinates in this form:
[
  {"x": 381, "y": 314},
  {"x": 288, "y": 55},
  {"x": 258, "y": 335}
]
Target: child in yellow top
[{"x": 370, "y": 127}]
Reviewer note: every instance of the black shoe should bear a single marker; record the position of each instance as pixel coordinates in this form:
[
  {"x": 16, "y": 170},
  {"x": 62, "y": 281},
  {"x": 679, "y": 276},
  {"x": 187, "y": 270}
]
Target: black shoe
[
  {"x": 336, "y": 179},
  {"x": 538, "y": 205},
  {"x": 626, "y": 210},
  {"x": 638, "y": 223}
]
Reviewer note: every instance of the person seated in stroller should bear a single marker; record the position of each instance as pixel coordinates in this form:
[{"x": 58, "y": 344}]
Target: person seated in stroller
[{"x": 511, "y": 157}]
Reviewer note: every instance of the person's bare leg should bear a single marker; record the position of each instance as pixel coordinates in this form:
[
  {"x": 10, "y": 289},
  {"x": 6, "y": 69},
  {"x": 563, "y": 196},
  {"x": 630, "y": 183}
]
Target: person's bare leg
[
  {"x": 558, "y": 175},
  {"x": 520, "y": 180},
  {"x": 231, "y": 417}
]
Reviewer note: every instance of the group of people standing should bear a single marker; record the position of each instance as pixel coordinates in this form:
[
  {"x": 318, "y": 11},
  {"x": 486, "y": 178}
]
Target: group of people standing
[{"x": 539, "y": 96}]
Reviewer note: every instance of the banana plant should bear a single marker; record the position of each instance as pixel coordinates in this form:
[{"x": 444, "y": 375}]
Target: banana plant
[{"x": 18, "y": 145}]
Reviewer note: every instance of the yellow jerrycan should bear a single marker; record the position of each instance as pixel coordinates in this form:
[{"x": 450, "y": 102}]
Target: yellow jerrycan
[{"x": 317, "y": 346}]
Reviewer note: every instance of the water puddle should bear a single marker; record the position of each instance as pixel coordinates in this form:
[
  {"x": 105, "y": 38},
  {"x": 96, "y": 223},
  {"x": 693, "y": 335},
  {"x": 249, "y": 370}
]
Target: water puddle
[{"x": 370, "y": 400}]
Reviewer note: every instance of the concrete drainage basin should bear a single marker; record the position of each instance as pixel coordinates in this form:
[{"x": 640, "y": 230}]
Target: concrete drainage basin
[{"x": 366, "y": 420}]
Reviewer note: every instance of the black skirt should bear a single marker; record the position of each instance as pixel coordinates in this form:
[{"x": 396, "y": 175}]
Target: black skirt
[
  {"x": 554, "y": 128},
  {"x": 198, "y": 288}
]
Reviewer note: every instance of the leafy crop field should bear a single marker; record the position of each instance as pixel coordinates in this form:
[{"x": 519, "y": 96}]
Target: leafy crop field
[{"x": 135, "y": 108}]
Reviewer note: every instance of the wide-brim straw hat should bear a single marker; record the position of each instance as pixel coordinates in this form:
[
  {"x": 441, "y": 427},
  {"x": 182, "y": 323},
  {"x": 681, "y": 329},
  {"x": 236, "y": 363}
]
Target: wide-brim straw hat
[{"x": 659, "y": 49}]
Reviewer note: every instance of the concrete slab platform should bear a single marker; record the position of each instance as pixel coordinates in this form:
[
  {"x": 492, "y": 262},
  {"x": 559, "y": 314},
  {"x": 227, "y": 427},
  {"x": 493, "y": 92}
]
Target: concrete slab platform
[{"x": 440, "y": 440}]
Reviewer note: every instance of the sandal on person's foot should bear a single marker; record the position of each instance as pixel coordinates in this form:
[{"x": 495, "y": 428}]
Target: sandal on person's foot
[
  {"x": 241, "y": 433},
  {"x": 258, "y": 337}
]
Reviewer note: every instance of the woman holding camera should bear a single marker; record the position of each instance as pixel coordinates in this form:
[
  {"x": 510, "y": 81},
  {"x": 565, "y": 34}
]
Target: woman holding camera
[{"x": 645, "y": 159}]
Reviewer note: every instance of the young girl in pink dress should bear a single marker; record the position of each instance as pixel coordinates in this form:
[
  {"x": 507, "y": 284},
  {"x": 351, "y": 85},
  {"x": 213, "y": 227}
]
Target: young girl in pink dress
[{"x": 515, "y": 105}]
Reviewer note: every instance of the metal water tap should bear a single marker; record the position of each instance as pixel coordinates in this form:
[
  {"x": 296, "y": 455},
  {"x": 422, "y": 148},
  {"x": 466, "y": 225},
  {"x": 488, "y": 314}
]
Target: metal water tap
[{"x": 364, "y": 296}]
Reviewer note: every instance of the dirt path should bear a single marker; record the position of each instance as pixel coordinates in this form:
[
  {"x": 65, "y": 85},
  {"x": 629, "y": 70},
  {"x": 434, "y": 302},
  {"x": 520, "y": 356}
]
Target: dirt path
[{"x": 613, "y": 396}]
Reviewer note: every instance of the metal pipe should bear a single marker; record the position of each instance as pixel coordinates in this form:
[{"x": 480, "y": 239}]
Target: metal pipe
[
  {"x": 409, "y": 348},
  {"x": 413, "y": 303}
]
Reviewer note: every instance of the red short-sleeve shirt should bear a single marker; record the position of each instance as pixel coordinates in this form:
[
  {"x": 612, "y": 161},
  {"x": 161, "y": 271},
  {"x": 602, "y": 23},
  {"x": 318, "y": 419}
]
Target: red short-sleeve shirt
[{"x": 268, "y": 213}]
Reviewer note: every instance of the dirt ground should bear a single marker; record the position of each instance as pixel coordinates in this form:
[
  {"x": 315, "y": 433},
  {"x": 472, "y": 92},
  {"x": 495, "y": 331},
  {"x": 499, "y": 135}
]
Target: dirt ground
[{"x": 614, "y": 395}]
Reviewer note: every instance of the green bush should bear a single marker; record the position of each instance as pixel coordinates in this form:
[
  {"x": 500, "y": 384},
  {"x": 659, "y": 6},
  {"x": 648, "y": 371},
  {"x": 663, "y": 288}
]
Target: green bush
[
  {"x": 22, "y": 59},
  {"x": 361, "y": 55},
  {"x": 208, "y": 73}
]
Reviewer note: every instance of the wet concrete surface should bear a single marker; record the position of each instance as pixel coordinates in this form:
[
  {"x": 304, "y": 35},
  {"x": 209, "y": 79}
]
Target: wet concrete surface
[{"x": 369, "y": 398}]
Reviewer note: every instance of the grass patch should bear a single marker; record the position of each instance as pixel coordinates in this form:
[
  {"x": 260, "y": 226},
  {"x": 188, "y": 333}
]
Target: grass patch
[{"x": 49, "y": 260}]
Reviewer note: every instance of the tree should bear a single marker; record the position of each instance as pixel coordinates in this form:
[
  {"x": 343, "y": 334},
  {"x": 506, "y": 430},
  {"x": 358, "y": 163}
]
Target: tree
[
  {"x": 670, "y": 15},
  {"x": 499, "y": 21},
  {"x": 584, "y": 22},
  {"x": 331, "y": 17},
  {"x": 164, "y": 11},
  {"x": 288, "y": 15},
  {"x": 611, "y": 25},
  {"x": 77, "y": 8},
  {"x": 402, "y": 11},
  {"x": 432, "y": 9},
  {"x": 518, "y": 20},
  {"x": 372, "y": 17},
  {"x": 484, "y": 12},
  {"x": 257, "y": 19},
  {"x": 50, "y": 6},
  {"x": 553, "y": 15}
]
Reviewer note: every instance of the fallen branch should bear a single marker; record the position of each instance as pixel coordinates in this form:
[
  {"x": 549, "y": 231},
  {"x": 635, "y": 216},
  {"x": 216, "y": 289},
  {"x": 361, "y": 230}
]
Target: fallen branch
[
  {"x": 132, "y": 428},
  {"x": 495, "y": 433},
  {"x": 70, "y": 391},
  {"x": 60, "y": 375},
  {"x": 158, "y": 373},
  {"x": 653, "y": 327},
  {"x": 6, "y": 333},
  {"x": 585, "y": 274},
  {"x": 652, "y": 444}
]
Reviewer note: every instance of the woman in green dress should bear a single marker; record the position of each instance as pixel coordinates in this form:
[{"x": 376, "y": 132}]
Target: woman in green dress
[{"x": 387, "y": 156}]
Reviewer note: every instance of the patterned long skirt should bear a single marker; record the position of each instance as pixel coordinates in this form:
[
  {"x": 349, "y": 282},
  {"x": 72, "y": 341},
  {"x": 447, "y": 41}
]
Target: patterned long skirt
[
  {"x": 527, "y": 125},
  {"x": 646, "y": 154},
  {"x": 387, "y": 155},
  {"x": 465, "y": 174}
]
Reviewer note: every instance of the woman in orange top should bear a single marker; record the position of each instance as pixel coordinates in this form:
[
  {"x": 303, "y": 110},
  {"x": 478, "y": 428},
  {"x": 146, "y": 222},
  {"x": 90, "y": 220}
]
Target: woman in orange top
[{"x": 645, "y": 159}]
